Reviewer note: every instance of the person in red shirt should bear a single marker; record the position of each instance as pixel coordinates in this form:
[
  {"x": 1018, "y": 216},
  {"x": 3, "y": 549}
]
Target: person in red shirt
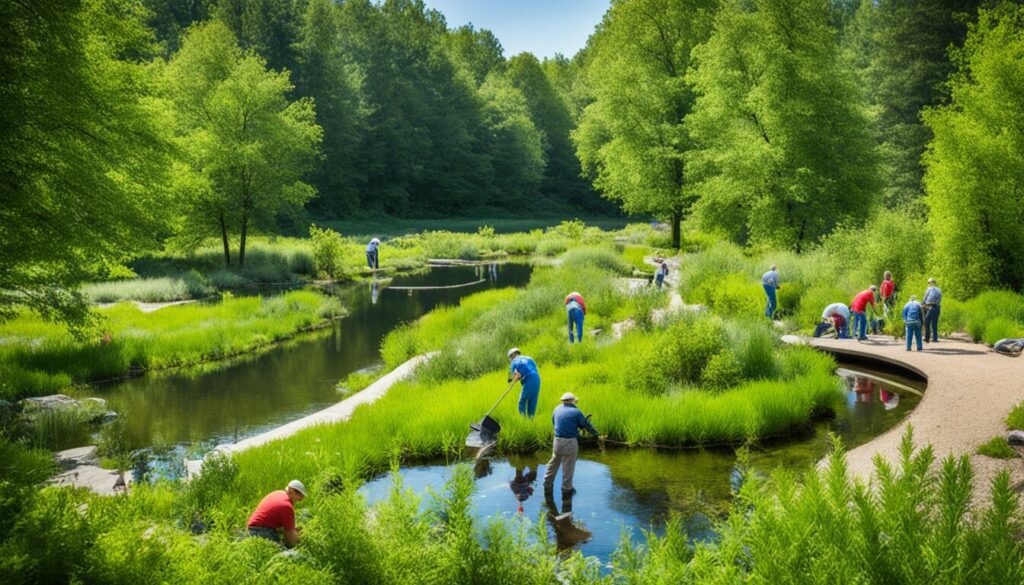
[
  {"x": 888, "y": 292},
  {"x": 858, "y": 307},
  {"x": 275, "y": 515}
]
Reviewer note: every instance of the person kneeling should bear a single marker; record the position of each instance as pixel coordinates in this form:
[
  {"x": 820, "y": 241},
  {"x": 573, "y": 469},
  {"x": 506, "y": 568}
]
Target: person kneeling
[{"x": 275, "y": 515}]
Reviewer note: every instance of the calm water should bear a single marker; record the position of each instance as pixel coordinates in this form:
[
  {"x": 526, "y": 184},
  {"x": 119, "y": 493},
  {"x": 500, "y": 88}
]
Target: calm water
[
  {"x": 224, "y": 403},
  {"x": 629, "y": 489}
]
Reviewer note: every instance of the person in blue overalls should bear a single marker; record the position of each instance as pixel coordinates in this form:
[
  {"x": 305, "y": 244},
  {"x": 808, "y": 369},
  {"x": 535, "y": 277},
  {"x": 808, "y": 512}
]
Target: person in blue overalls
[
  {"x": 372, "y": 257},
  {"x": 576, "y": 310},
  {"x": 524, "y": 369}
]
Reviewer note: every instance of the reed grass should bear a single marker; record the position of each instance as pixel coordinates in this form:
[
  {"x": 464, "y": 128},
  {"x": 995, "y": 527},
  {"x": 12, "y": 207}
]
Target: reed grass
[{"x": 38, "y": 357}]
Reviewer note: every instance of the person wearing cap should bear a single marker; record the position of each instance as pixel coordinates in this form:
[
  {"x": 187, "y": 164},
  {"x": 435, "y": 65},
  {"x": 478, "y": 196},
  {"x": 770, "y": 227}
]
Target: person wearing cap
[
  {"x": 576, "y": 310},
  {"x": 770, "y": 282},
  {"x": 932, "y": 306},
  {"x": 372, "y": 256},
  {"x": 858, "y": 307},
  {"x": 275, "y": 515},
  {"x": 524, "y": 370},
  {"x": 913, "y": 315},
  {"x": 567, "y": 420}
]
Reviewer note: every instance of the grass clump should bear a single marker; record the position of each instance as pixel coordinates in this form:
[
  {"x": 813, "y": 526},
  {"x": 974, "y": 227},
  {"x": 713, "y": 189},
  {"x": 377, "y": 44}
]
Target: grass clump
[
  {"x": 996, "y": 447},
  {"x": 189, "y": 285},
  {"x": 41, "y": 357},
  {"x": 1015, "y": 420}
]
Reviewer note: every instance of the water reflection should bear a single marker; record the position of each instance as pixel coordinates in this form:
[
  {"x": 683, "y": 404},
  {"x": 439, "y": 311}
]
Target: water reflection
[
  {"x": 522, "y": 484},
  {"x": 568, "y": 533}
]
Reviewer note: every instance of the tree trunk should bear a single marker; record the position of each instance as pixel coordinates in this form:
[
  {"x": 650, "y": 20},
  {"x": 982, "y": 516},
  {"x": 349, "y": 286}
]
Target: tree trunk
[
  {"x": 224, "y": 239},
  {"x": 241, "y": 248},
  {"x": 677, "y": 218}
]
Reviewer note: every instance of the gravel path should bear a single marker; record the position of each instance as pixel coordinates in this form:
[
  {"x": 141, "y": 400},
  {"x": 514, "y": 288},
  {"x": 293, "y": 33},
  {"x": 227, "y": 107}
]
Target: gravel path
[{"x": 970, "y": 391}]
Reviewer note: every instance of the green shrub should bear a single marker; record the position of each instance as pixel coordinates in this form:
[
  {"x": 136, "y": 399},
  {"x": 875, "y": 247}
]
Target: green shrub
[
  {"x": 997, "y": 448},
  {"x": 1015, "y": 420},
  {"x": 723, "y": 370},
  {"x": 327, "y": 248},
  {"x": 551, "y": 247}
]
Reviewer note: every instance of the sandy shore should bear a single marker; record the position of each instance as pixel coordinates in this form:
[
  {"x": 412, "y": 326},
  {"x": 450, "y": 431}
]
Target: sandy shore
[{"x": 970, "y": 391}]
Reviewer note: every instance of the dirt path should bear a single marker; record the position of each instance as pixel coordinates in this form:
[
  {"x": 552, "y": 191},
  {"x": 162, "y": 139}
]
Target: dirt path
[{"x": 970, "y": 391}]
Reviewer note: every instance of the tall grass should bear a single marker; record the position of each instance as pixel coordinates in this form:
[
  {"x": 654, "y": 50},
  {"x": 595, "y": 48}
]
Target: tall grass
[
  {"x": 917, "y": 526},
  {"x": 189, "y": 285},
  {"x": 39, "y": 357}
]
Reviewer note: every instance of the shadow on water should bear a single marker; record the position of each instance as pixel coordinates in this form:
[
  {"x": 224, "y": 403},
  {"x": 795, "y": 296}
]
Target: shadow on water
[
  {"x": 227, "y": 401},
  {"x": 632, "y": 489}
]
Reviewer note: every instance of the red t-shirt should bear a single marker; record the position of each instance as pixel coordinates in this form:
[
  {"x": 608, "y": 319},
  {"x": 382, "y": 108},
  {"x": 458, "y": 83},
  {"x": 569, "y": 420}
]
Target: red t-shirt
[
  {"x": 887, "y": 288},
  {"x": 862, "y": 300},
  {"x": 275, "y": 511},
  {"x": 578, "y": 299}
]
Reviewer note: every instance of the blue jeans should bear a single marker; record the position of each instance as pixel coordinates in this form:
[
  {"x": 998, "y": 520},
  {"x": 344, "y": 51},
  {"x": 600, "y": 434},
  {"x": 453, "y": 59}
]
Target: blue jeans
[
  {"x": 860, "y": 325},
  {"x": 371, "y": 260},
  {"x": 914, "y": 332},
  {"x": 659, "y": 280},
  {"x": 931, "y": 323},
  {"x": 263, "y": 532},
  {"x": 769, "y": 310},
  {"x": 528, "y": 396},
  {"x": 576, "y": 318}
]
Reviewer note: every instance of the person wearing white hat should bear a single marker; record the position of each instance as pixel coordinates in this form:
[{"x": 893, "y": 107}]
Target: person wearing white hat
[
  {"x": 372, "y": 256},
  {"x": 932, "y": 302},
  {"x": 275, "y": 515},
  {"x": 567, "y": 420},
  {"x": 524, "y": 369}
]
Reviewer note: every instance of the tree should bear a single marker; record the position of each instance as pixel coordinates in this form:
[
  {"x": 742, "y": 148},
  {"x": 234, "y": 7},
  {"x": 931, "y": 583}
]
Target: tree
[
  {"x": 246, "y": 145},
  {"x": 550, "y": 113},
  {"x": 910, "y": 63},
  {"x": 82, "y": 158},
  {"x": 785, "y": 151},
  {"x": 327, "y": 74},
  {"x": 513, "y": 142},
  {"x": 975, "y": 191},
  {"x": 477, "y": 52},
  {"x": 632, "y": 138}
]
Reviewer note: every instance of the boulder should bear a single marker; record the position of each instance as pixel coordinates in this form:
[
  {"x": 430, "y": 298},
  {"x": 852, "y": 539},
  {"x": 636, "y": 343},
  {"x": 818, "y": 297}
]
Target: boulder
[
  {"x": 1015, "y": 438},
  {"x": 70, "y": 458},
  {"x": 51, "y": 402}
]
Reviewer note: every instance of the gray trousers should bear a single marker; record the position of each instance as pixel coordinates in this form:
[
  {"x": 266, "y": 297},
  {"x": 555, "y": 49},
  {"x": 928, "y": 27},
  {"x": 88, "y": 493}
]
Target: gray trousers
[{"x": 563, "y": 454}]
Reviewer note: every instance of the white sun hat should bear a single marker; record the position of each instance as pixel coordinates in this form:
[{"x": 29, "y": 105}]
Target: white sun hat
[
  {"x": 568, "y": 396},
  {"x": 512, "y": 351},
  {"x": 297, "y": 486}
]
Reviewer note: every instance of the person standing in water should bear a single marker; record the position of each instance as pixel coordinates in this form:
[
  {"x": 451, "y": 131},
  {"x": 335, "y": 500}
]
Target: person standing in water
[
  {"x": 372, "y": 254},
  {"x": 575, "y": 309},
  {"x": 567, "y": 420},
  {"x": 524, "y": 370}
]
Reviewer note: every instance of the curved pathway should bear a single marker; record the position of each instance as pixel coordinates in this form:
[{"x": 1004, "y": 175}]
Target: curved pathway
[{"x": 970, "y": 391}]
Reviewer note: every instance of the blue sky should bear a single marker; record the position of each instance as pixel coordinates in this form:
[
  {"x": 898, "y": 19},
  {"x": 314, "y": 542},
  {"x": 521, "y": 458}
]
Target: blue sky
[{"x": 538, "y": 26}]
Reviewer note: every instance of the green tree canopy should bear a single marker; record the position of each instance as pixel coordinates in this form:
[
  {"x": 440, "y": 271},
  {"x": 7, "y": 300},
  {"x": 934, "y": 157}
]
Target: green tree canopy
[
  {"x": 785, "y": 150},
  {"x": 82, "y": 158},
  {"x": 632, "y": 138},
  {"x": 975, "y": 190},
  {"x": 245, "y": 144}
]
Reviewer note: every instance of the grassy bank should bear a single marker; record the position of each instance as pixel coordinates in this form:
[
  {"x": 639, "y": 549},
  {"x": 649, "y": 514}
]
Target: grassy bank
[
  {"x": 727, "y": 278},
  {"x": 196, "y": 272},
  {"x": 38, "y": 357}
]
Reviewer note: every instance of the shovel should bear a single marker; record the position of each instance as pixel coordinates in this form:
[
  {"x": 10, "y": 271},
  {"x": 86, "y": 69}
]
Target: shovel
[{"x": 486, "y": 431}]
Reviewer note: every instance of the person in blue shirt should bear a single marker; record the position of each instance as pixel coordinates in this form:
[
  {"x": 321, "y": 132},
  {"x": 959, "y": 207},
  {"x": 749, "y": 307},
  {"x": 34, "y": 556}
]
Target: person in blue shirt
[
  {"x": 524, "y": 369},
  {"x": 576, "y": 309},
  {"x": 567, "y": 420},
  {"x": 770, "y": 281},
  {"x": 912, "y": 317},
  {"x": 372, "y": 255},
  {"x": 932, "y": 305}
]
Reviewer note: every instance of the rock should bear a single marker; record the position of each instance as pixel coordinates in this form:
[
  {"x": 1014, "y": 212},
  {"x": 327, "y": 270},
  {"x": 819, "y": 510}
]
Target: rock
[
  {"x": 53, "y": 401},
  {"x": 70, "y": 458},
  {"x": 96, "y": 403},
  {"x": 1015, "y": 437}
]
